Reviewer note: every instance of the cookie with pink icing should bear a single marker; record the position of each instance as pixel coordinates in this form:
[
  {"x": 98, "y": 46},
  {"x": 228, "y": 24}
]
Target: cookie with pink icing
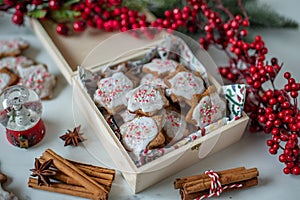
[
  {"x": 206, "y": 109},
  {"x": 159, "y": 67},
  {"x": 175, "y": 126},
  {"x": 12, "y": 47},
  {"x": 142, "y": 133},
  {"x": 13, "y": 63},
  {"x": 37, "y": 78},
  {"x": 150, "y": 79},
  {"x": 7, "y": 78},
  {"x": 111, "y": 92},
  {"x": 183, "y": 84},
  {"x": 146, "y": 100}
]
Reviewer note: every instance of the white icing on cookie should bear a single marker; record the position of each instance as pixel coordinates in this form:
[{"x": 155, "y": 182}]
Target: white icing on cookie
[
  {"x": 112, "y": 90},
  {"x": 145, "y": 97},
  {"x": 8, "y": 47},
  {"x": 186, "y": 84},
  {"x": 37, "y": 78},
  {"x": 161, "y": 66},
  {"x": 209, "y": 110},
  {"x": 127, "y": 116},
  {"x": 4, "y": 80},
  {"x": 175, "y": 124},
  {"x": 138, "y": 133},
  {"x": 13, "y": 63},
  {"x": 150, "y": 79}
]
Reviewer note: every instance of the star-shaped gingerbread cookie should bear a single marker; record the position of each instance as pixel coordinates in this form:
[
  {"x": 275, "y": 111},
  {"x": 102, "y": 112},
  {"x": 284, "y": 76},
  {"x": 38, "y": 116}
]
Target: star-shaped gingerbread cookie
[
  {"x": 183, "y": 84},
  {"x": 206, "y": 108}
]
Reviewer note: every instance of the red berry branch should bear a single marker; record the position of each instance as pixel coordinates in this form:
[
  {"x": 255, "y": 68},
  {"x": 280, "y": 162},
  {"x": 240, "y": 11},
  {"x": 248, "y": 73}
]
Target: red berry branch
[{"x": 272, "y": 110}]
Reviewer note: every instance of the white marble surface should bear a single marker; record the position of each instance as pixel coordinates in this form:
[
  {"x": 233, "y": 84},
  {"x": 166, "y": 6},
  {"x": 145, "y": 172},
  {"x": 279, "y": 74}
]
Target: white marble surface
[{"x": 251, "y": 151}]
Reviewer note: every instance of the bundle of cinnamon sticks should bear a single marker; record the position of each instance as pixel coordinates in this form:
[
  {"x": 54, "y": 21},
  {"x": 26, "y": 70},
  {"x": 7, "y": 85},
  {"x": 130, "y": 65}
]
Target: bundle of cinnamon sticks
[
  {"x": 198, "y": 185},
  {"x": 77, "y": 179}
]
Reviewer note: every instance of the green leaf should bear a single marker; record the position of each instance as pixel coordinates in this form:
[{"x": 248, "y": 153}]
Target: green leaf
[
  {"x": 1, "y": 1},
  {"x": 261, "y": 15},
  {"x": 62, "y": 15},
  {"x": 37, "y": 13},
  {"x": 70, "y": 2}
]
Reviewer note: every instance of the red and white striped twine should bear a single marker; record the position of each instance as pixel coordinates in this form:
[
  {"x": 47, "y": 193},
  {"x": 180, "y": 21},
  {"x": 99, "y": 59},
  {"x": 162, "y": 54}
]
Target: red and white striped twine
[{"x": 215, "y": 185}]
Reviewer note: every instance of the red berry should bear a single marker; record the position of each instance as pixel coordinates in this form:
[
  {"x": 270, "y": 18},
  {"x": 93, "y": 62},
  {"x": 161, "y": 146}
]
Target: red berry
[
  {"x": 293, "y": 136},
  {"x": 294, "y": 94},
  {"x": 62, "y": 29},
  {"x": 18, "y": 18},
  {"x": 273, "y": 151},
  {"x": 296, "y": 170},
  {"x": 270, "y": 142},
  {"x": 285, "y": 104},
  {"x": 287, "y": 152},
  {"x": 54, "y": 4},
  {"x": 269, "y": 110},
  {"x": 291, "y": 80},
  {"x": 286, "y": 170},
  {"x": 245, "y": 22},
  {"x": 290, "y": 165},
  {"x": 37, "y": 2},
  {"x": 280, "y": 99},
  {"x": 296, "y": 152},
  {"x": 282, "y": 158},
  {"x": 257, "y": 85},
  {"x": 262, "y": 119},
  {"x": 277, "y": 122},
  {"x": 79, "y": 26},
  {"x": 20, "y": 7},
  {"x": 295, "y": 86},
  {"x": 275, "y": 131}
]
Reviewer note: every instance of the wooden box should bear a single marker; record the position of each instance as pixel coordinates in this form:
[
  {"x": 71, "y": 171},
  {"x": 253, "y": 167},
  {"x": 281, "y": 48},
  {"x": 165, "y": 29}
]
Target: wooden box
[{"x": 70, "y": 52}]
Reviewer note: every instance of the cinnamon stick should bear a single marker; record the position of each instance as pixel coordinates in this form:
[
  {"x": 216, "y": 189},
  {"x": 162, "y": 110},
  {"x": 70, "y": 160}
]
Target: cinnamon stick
[
  {"x": 95, "y": 171},
  {"x": 200, "y": 185},
  {"x": 62, "y": 188},
  {"x": 246, "y": 183},
  {"x": 93, "y": 167},
  {"x": 179, "y": 182},
  {"x": 69, "y": 180},
  {"x": 69, "y": 169}
]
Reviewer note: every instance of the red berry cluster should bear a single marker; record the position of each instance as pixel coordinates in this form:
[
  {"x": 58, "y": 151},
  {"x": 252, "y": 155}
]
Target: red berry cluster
[
  {"x": 21, "y": 8},
  {"x": 106, "y": 15},
  {"x": 274, "y": 111},
  {"x": 179, "y": 18}
]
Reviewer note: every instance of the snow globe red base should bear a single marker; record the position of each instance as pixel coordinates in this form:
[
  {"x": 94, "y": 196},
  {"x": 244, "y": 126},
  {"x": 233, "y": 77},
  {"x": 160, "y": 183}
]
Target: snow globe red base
[{"x": 20, "y": 114}]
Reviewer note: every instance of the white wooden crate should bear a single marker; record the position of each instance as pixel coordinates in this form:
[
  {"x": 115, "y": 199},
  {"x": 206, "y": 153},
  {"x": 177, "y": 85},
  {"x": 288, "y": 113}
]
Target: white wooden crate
[{"x": 66, "y": 52}]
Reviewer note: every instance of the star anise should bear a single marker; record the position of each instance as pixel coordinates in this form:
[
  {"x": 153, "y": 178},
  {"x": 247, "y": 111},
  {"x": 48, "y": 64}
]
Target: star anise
[
  {"x": 43, "y": 172},
  {"x": 72, "y": 137}
]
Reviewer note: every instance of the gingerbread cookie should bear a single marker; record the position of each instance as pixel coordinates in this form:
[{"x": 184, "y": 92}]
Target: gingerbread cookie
[
  {"x": 146, "y": 100},
  {"x": 13, "y": 63},
  {"x": 111, "y": 92},
  {"x": 142, "y": 133},
  {"x": 7, "y": 78},
  {"x": 159, "y": 67},
  {"x": 183, "y": 84},
  {"x": 37, "y": 78},
  {"x": 206, "y": 108},
  {"x": 175, "y": 126},
  {"x": 12, "y": 47},
  {"x": 150, "y": 79}
]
